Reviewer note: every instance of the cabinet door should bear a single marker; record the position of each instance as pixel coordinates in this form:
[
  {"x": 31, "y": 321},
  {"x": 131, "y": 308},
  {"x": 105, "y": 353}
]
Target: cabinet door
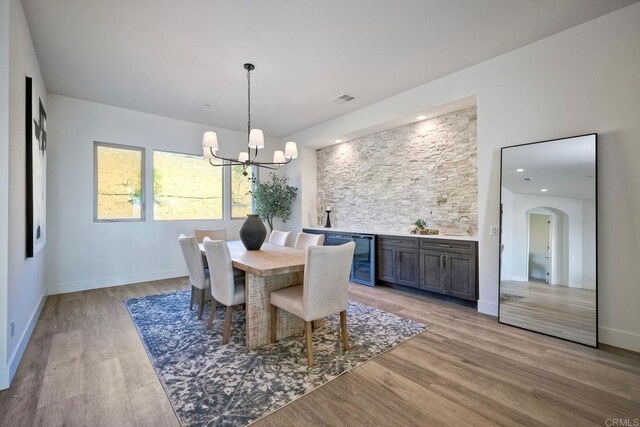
[
  {"x": 461, "y": 280},
  {"x": 432, "y": 273},
  {"x": 407, "y": 267},
  {"x": 386, "y": 264}
]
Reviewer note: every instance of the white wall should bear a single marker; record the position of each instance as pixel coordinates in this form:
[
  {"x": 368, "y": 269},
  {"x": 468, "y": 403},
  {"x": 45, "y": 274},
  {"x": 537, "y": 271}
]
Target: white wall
[
  {"x": 4, "y": 185},
  {"x": 302, "y": 174},
  {"x": 25, "y": 277},
  {"x": 582, "y": 80},
  {"x": 85, "y": 255},
  {"x": 567, "y": 236}
]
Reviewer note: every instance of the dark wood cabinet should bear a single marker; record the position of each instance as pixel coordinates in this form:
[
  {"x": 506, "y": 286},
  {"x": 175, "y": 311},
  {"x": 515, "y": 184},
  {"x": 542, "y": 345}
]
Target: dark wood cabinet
[
  {"x": 432, "y": 275},
  {"x": 449, "y": 267},
  {"x": 386, "y": 262},
  {"x": 460, "y": 275},
  {"x": 443, "y": 266},
  {"x": 407, "y": 267},
  {"x": 398, "y": 261}
]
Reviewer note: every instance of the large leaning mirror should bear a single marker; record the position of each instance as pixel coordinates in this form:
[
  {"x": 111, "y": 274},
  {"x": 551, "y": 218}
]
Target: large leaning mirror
[{"x": 548, "y": 251}]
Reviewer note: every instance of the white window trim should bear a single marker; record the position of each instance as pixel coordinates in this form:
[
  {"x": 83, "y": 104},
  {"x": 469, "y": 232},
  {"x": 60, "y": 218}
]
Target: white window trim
[{"x": 142, "y": 218}]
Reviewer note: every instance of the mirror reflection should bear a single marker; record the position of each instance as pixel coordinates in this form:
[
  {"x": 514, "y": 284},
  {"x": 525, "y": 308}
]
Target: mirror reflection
[{"x": 548, "y": 238}]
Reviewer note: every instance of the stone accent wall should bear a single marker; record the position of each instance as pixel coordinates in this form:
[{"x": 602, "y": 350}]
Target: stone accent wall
[{"x": 389, "y": 179}]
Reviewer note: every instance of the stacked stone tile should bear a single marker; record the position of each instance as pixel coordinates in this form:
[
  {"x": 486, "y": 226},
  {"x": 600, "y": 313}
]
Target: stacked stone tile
[{"x": 389, "y": 179}]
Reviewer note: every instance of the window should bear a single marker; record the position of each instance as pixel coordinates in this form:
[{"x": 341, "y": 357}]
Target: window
[
  {"x": 241, "y": 187},
  {"x": 118, "y": 182},
  {"x": 185, "y": 187}
]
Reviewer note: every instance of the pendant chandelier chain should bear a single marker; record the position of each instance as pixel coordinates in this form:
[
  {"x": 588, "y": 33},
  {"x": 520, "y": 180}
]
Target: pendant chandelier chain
[
  {"x": 255, "y": 141},
  {"x": 248, "y": 103}
]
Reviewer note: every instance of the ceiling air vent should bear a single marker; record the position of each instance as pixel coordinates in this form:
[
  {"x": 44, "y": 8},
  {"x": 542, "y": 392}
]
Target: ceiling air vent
[{"x": 341, "y": 99}]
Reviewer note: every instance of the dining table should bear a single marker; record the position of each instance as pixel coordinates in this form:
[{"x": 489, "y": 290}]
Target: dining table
[{"x": 270, "y": 268}]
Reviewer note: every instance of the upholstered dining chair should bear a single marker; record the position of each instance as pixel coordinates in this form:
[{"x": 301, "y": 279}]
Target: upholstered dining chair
[
  {"x": 226, "y": 288},
  {"x": 213, "y": 234},
  {"x": 323, "y": 292},
  {"x": 304, "y": 240},
  {"x": 198, "y": 277},
  {"x": 279, "y": 237}
]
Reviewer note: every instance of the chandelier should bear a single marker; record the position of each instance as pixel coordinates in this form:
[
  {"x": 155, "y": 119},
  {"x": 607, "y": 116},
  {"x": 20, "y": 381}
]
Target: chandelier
[{"x": 255, "y": 141}]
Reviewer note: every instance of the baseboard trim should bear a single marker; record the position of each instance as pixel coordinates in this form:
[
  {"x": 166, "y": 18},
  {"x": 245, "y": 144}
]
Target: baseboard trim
[
  {"x": 488, "y": 307},
  {"x": 619, "y": 338},
  {"x": 7, "y": 373},
  {"x": 107, "y": 282}
]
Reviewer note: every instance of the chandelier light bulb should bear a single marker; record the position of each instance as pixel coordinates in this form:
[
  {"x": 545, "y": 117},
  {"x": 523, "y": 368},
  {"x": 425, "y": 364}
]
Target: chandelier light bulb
[
  {"x": 291, "y": 150},
  {"x": 256, "y": 139},
  {"x": 243, "y": 157},
  {"x": 278, "y": 157},
  {"x": 210, "y": 140}
]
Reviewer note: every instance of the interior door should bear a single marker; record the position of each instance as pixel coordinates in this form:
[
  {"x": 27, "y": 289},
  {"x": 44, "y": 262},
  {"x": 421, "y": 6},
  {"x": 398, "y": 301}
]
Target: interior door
[{"x": 539, "y": 247}]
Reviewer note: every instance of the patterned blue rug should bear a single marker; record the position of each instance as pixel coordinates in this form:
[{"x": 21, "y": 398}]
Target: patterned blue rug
[{"x": 209, "y": 384}]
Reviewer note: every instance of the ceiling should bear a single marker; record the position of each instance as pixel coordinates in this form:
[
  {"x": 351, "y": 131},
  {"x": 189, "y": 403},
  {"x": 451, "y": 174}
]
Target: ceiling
[
  {"x": 173, "y": 57},
  {"x": 566, "y": 168}
]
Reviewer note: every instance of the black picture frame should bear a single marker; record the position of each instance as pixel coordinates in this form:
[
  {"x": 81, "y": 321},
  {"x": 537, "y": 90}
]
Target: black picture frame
[{"x": 35, "y": 171}]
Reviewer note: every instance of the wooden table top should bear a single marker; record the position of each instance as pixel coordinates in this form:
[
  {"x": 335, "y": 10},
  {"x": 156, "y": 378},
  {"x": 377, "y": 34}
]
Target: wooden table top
[{"x": 270, "y": 260}]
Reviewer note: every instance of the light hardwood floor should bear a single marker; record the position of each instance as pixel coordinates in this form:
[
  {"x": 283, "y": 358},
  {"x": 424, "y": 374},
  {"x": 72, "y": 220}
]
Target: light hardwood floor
[
  {"x": 557, "y": 310},
  {"x": 85, "y": 365}
]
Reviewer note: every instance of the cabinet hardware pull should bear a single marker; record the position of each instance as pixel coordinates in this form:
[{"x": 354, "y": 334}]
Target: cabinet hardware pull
[
  {"x": 445, "y": 246},
  {"x": 440, "y": 262}
]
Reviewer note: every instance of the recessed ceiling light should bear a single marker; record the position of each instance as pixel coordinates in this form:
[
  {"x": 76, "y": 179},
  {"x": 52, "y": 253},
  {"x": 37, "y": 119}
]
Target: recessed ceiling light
[
  {"x": 519, "y": 170},
  {"x": 544, "y": 190},
  {"x": 421, "y": 117},
  {"x": 337, "y": 140}
]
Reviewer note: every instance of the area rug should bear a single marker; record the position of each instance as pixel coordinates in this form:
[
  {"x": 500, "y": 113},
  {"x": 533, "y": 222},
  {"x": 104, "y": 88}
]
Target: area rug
[{"x": 211, "y": 384}]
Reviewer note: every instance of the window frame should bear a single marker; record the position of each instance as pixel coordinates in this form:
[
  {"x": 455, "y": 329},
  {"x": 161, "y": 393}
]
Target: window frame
[
  {"x": 222, "y": 184},
  {"x": 253, "y": 201},
  {"x": 143, "y": 183}
]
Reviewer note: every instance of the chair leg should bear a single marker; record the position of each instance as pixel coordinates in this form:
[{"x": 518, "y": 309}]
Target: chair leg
[
  {"x": 201, "y": 304},
  {"x": 193, "y": 292},
  {"x": 212, "y": 313},
  {"x": 309, "y": 337},
  {"x": 227, "y": 324},
  {"x": 343, "y": 327},
  {"x": 274, "y": 324}
]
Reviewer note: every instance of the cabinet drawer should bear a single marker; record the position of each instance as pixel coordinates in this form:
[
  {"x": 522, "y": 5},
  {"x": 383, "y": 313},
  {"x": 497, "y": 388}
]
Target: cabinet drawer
[
  {"x": 459, "y": 246},
  {"x": 405, "y": 242}
]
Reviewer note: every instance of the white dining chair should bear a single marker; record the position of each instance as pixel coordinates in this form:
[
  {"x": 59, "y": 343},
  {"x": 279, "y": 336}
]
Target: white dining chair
[
  {"x": 304, "y": 240},
  {"x": 323, "y": 292},
  {"x": 226, "y": 288},
  {"x": 212, "y": 233},
  {"x": 279, "y": 238},
  {"x": 198, "y": 276}
]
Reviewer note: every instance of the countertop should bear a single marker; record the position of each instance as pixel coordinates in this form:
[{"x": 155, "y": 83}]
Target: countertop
[{"x": 394, "y": 233}]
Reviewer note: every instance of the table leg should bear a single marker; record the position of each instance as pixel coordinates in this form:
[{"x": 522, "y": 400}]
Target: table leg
[{"x": 258, "y": 316}]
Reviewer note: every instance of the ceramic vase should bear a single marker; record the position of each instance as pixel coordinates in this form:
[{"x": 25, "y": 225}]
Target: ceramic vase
[{"x": 253, "y": 232}]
